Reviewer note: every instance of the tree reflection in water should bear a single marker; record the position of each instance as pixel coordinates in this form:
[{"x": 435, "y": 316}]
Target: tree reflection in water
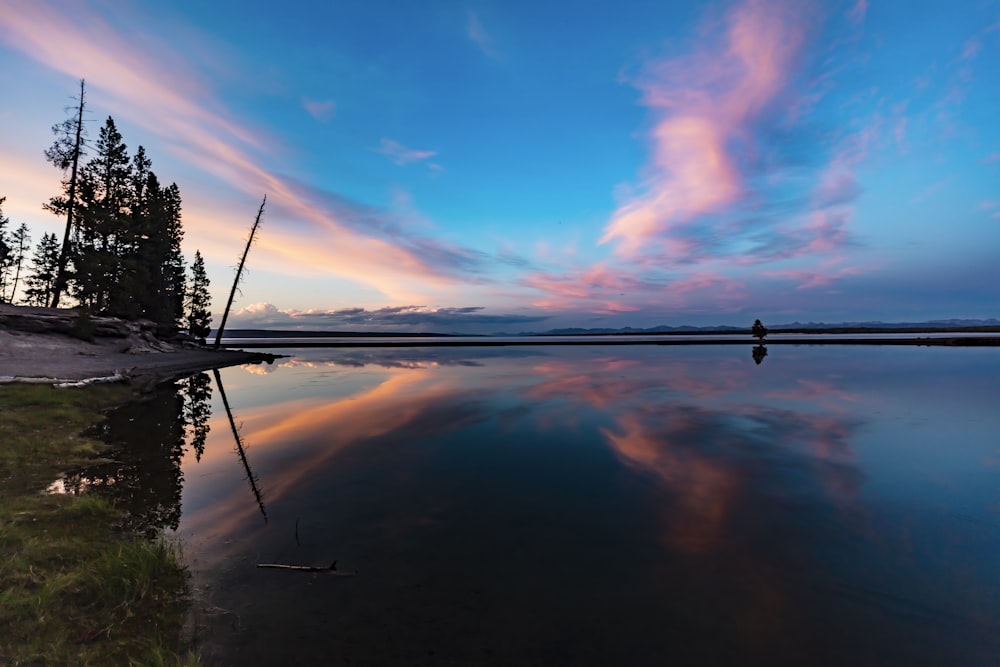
[
  {"x": 147, "y": 440},
  {"x": 198, "y": 410}
]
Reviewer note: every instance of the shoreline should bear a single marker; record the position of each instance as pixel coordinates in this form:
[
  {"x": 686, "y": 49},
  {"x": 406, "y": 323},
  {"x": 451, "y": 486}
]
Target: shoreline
[
  {"x": 67, "y": 363},
  {"x": 41, "y": 345},
  {"x": 37, "y": 346}
]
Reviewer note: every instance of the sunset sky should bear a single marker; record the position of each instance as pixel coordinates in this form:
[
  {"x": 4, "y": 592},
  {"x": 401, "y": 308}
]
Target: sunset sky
[{"x": 520, "y": 166}]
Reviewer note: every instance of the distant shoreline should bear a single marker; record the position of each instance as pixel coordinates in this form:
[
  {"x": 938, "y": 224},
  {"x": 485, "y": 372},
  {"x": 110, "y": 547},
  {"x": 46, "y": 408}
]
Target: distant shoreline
[{"x": 964, "y": 341}]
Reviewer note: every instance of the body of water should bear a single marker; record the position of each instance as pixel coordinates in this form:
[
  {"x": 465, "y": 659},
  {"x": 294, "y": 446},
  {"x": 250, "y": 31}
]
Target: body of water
[
  {"x": 617, "y": 339},
  {"x": 584, "y": 506}
]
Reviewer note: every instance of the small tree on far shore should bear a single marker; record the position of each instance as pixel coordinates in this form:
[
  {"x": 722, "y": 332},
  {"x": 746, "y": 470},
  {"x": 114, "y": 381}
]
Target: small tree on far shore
[{"x": 758, "y": 330}]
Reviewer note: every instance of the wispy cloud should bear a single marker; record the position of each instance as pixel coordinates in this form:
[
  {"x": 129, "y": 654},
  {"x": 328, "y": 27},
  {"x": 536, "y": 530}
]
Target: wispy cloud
[
  {"x": 322, "y": 111},
  {"x": 475, "y": 31},
  {"x": 971, "y": 49},
  {"x": 605, "y": 289},
  {"x": 402, "y": 155},
  {"x": 991, "y": 207},
  {"x": 154, "y": 87},
  {"x": 857, "y": 13},
  {"x": 814, "y": 278}
]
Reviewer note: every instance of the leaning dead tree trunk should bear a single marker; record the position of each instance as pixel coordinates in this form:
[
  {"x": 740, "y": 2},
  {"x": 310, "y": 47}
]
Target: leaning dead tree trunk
[
  {"x": 239, "y": 273},
  {"x": 66, "y": 159}
]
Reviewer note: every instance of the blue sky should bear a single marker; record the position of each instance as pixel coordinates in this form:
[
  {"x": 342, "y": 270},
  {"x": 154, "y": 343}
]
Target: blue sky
[{"x": 510, "y": 166}]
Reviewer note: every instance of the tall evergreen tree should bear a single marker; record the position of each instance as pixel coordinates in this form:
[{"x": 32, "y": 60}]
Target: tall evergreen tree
[
  {"x": 41, "y": 279},
  {"x": 155, "y": 287},
  {"x": 65, "y": 154},
  {"x": 198, "y": 302},
  {"x": 103, "y": 220},
  {"x": 136, "y": 270},
  {"x": 173, "y": 268}
]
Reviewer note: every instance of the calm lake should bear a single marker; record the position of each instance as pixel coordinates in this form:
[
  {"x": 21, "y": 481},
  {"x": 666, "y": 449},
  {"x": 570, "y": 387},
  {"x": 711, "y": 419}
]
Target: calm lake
[{"x": 582, "y": 506}]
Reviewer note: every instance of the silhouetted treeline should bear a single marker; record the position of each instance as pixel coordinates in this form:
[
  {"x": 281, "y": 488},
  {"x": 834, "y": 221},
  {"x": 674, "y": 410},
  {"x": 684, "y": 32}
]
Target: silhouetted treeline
[
  {"x": 125, "y": 254},
  {"x": 122, "y": 250}
]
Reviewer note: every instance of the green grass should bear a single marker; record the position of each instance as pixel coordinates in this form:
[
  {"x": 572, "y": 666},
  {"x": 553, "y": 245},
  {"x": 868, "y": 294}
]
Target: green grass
[{"x": 76, "y": 589}]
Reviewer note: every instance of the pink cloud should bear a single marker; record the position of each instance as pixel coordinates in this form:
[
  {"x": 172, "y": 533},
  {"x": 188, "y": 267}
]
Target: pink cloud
[
  {"x": 152, "y": 86},
  {"x": 598, "y": 284},
  {"x": 321, "y": 111},
  {"x": 858, "y": 12},
  {"x": 707, "y": 104},
  {"x": 602, "y": 288},
  {"x": 813, "y": 278}
]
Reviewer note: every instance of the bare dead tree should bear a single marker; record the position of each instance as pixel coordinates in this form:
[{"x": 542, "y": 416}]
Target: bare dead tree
[
  {"x": 65, "y": 154},
  {"x": 239, "y": 273}
]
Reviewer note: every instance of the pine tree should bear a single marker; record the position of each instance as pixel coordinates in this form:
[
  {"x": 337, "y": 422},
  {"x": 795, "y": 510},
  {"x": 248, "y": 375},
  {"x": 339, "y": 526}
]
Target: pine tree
[
  {"x": 102, "y": 222},
  {"x": 65, "y": 154},
  {"x": 156, "y": 285},
  {"x": 172, "y": 262},
  {"x": 20, "y": 243},
  {"x": 5, "y": 249},
  {"x": 41, "y": 279},
  {"x": 198, "y": 302},
  {"x": 125, "y": 245}
]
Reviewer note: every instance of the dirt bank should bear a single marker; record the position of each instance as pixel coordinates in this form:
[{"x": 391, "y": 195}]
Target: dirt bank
[{"x": 35, "y": 345}]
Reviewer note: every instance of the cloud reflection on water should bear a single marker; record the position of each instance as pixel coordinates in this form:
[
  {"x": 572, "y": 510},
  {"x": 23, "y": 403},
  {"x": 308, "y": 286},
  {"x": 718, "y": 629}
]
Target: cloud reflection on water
[
  {"x": 687, "y": 424},
  {"x": 767, "y": 500}
]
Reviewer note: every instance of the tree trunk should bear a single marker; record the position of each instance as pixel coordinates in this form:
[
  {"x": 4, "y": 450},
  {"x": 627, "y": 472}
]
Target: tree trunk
[
  {"x": 64, "y": 255},
  {"x": 239, "y": 274}
]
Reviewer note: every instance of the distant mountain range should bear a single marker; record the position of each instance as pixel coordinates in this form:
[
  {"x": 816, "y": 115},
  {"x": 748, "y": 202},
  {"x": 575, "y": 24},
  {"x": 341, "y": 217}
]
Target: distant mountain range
[
  {"x": 793, "y": 327},
  {"x": 990, "y": 325}
]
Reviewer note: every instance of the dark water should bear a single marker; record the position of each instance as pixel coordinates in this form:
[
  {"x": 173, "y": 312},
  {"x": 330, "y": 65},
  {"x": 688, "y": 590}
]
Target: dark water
[{"x": 586, "y": 506}]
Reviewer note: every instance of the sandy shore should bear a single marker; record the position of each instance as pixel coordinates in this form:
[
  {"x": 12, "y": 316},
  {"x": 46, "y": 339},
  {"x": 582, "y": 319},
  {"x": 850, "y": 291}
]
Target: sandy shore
[{"x": 56, "y": 358}]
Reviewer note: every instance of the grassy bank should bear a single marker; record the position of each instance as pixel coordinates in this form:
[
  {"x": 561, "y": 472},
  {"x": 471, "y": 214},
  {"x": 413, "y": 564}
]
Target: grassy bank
[{"x": 77, "y": 590}]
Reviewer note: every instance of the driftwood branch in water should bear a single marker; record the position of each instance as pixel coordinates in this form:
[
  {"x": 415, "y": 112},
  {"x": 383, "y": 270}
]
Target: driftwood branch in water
[{"x": 309, "y": 568}]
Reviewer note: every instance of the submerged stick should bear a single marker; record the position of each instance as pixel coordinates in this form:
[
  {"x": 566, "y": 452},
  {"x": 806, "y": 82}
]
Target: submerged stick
[{"x": 309, "y": 568}]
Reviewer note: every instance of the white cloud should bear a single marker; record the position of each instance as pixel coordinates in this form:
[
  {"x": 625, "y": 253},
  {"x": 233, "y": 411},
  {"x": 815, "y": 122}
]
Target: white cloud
[
  {"x": 402, "y": 155},
  {"x": 477, "y": 33}
]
